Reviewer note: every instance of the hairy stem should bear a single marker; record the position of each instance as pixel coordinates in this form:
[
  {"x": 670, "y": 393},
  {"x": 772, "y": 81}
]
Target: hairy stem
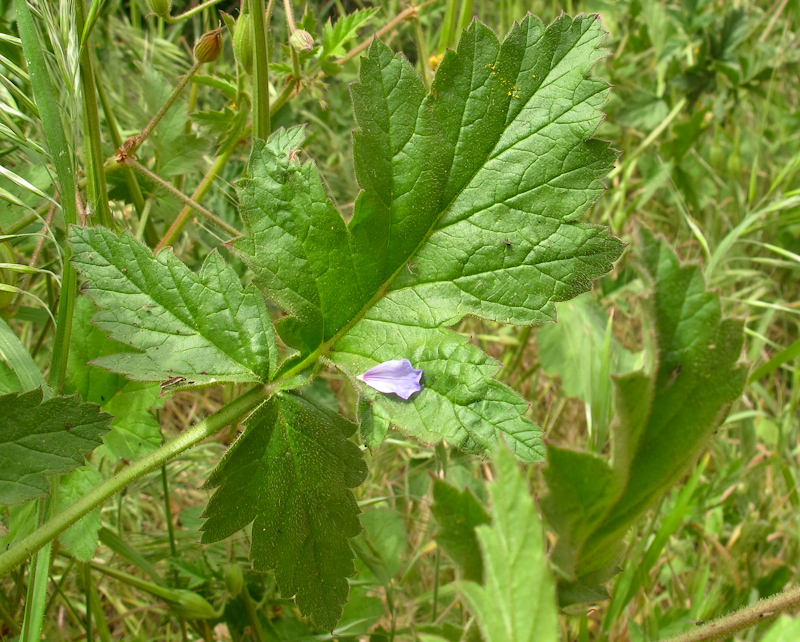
[
  {"x": 191, "y": 12},
  {"x": 261, "y": 111},
  {"x": 94, "y": 148},
  {"x": 136, "y": 141},
  {"x": 182, "y": 197},
  {"x": 233, "y": 411},
  {"x": 724, "y": 627}
]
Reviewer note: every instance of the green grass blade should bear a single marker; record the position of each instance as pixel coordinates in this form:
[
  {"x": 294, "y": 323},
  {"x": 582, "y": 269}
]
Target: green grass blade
[
  {"x": 48, "y": 104},
  {"x": 20, "y": 361},
  {"x": 787, "y": 354}
]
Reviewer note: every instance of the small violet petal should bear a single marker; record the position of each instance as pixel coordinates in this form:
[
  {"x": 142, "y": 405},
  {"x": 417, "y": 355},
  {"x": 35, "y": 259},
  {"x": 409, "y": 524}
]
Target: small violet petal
[{"x": 397, "y": 376}]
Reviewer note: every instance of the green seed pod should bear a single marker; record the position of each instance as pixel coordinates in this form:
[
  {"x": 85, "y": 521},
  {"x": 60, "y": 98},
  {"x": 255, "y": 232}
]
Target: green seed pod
[
  {"x": 301, "y": 40},
  {"x": 7, "y": 277},
  {"x": 191, "y": 605},
  {"x": 210, "y": 47},
  {"x": 161, "y": 8},
  {"x": 234, "y": 579},
  {"x": 243, "y": 42}
]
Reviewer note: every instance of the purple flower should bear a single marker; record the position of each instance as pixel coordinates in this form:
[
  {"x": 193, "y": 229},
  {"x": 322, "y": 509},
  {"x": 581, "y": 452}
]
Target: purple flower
[{"x": 397, "y": 376}]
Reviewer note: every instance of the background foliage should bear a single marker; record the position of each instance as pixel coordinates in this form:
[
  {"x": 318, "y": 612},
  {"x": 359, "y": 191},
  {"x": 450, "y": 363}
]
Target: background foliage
[{"x": 704, "y": 109}]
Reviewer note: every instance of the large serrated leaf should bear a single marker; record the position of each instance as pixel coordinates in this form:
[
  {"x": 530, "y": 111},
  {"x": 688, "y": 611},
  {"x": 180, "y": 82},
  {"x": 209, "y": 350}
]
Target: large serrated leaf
[
  {"x": 204, "y": 328},
  {"x": 469, "y": 201},
  {"x": 663, "y": 418},
  {"x": 290, "y": 473},
  {"x": 43, "y": 438},
  {"x": 517, "y": 601}
]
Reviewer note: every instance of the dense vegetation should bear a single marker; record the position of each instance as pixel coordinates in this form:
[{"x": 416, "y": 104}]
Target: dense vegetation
[{"x": 627, "y": 473}]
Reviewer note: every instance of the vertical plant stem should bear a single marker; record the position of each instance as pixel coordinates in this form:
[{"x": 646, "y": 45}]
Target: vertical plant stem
[
  {"x": 465, "y": 16},
  {"x": 38, "y": 576},
  {"x": 252, "y": 615},
  {"x": 260, "y": 21},
  {"x": 87, "y": 587},
  {"x": 168, "y": 512},
  {"x": 448, "y": 26},
  {"x": 94, "y": 606},
  {"x": 94, "y": 148},
  {"x": 233, "y": 411},
  {"x": 422, "y": 52},
  {"x": 49, "y": 112},
  {"x": 130, "y": 177}
]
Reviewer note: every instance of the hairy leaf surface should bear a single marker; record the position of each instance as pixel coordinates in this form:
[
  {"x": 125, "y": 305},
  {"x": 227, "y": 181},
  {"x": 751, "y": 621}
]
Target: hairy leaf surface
[
  {"x": 469, "y": 201},
  {"x": 290, "y": 474},
  {"x": 43, "y": 438},
  {"x": 663, "y": 418},
  {"x": 203, "y": 327},
  {"x": 517, "y": 600}
]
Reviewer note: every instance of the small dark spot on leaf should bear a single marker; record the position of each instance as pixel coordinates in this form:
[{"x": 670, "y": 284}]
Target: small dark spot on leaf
[{"x": 67, "y": 426}]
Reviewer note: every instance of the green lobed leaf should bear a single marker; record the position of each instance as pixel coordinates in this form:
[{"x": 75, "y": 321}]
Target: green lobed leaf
[
  {"x": 43, "y": 438},
  {"x": 336, "y": 36},
  {"x": 663, "y": 418},
  {"x": 205, "y": 327},
  {"x": 80, "y": 539},
  {"x": 517, "y": 600},
  {"x": 469, "y": 201},
  {"x": 290, "y": 474},
  {"x": 458, "y": 514}
]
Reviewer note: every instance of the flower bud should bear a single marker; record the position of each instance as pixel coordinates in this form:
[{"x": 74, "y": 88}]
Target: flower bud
[
  {"x": 301, "y": 40},
  {"x": 160, "y": 7},
  {"x": 210, "y": 47},
  {"x": 234, "y": 579},
  {"x": 243, "y": 42}
]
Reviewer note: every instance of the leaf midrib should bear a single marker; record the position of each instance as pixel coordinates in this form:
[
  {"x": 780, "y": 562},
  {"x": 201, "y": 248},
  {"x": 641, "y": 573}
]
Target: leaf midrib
[{"x": 325, "y": 347}]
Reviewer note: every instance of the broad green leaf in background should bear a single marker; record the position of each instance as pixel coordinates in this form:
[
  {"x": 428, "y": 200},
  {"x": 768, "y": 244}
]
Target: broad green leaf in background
[
  {"x": 42, "y": 438},
  {"x": 87, "y": 343},
  {"x": 582, "y": 351},
  {"x": 785, "y": 629},
  {"x": 80, "y": 539},
  {"x": 517, "y": 601},
  {"x": 290, "y": 472},
  {"x": 469, "y": 201},
  {"x": 204, "y": 327},
  {"x": 662, "y": 418},
  {"x": 458, "y": 514},
  {"x": 134, "y": 430}
]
